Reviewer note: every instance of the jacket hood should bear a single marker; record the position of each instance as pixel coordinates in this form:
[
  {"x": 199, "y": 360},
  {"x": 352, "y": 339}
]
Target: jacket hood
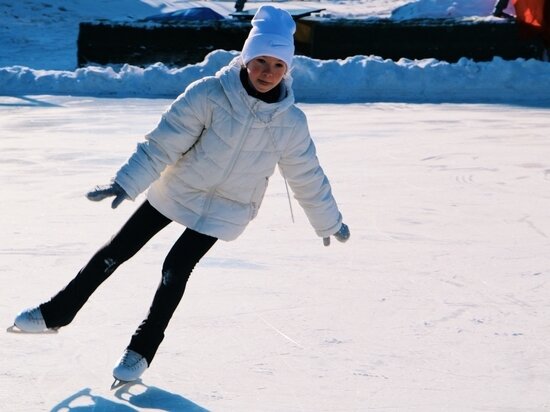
[{"x": 238, "y": 97}]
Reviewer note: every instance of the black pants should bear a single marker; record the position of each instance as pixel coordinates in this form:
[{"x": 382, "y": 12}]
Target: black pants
[{"x": 177, "y": 267}]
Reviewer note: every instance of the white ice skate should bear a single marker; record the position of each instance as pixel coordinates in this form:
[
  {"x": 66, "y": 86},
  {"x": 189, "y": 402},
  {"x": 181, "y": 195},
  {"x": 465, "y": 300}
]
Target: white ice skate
[
  {"x": 129, "y": 368},
  {"x": 30, "y": 321}
]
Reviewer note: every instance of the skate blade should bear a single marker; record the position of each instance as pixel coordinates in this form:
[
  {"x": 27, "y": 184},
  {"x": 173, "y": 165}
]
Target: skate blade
[
  {"x": 15, "y": 329},
  {"x": 119, "y": 384}
]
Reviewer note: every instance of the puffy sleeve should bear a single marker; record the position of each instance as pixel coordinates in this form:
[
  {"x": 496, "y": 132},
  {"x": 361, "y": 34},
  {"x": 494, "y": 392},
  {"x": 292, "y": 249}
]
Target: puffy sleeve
[
  {"x": 300, "y": 166},
  {"x": 178, "y": 130}
]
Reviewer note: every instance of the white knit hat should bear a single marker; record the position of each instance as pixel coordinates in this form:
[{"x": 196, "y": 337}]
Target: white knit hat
[{"x": 271, "y": 35}]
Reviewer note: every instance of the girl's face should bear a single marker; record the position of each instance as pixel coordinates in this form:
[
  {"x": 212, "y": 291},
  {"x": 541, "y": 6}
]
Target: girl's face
[{"x": 265, "y": 72}]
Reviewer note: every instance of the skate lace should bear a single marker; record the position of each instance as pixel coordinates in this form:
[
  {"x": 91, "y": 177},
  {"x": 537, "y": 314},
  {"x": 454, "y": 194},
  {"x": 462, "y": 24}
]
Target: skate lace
[
  {"x": 35, "y": 316},
  {"x": 131, "y": 359}
]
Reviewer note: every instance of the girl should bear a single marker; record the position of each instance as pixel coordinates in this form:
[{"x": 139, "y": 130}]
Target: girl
[{"x": 207, "y": 166}]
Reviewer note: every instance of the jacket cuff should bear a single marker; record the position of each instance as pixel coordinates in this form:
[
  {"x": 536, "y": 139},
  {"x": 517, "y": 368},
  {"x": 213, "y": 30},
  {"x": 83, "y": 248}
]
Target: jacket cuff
[
  {"x": 331, "y": 230},
  {"x": 126, "y": 185}
]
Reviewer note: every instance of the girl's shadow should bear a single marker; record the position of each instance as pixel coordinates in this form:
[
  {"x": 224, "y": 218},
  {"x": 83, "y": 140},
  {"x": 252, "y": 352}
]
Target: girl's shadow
[
  {"x": 156, "y": 398},
  {"x": 150, "y": 398}
]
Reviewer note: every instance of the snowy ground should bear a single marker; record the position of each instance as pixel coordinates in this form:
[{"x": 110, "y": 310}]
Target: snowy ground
[{"x": 439, "y": 302}]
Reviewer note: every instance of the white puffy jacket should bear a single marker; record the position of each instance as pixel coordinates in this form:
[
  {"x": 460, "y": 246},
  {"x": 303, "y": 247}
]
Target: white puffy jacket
[{"x": 209, "y": 160}]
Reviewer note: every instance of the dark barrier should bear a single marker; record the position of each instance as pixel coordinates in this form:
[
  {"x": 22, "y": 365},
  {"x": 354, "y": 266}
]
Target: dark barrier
[
  {"x": 142, "y": 44},
  {"x": 442, "y": 39}
]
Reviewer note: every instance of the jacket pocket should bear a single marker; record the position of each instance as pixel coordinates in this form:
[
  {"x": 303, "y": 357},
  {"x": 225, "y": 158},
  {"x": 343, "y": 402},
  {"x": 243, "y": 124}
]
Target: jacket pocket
[{"x": 258, "y": 197}]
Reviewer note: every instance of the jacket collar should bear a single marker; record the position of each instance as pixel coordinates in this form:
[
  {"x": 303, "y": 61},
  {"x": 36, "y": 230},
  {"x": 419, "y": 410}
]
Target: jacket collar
[{"x": 243, "y": 103}]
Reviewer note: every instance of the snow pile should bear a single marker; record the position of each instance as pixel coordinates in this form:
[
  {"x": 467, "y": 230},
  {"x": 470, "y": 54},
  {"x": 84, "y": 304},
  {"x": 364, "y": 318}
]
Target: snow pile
[
  {"x": 355, "y": 79},
  {"x": 430, "y": 9},
  {"x": 368, "y": 79}
]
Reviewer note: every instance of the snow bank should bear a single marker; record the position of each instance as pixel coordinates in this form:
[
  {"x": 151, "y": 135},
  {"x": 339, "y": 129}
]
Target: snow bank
[
  {"x": 355, "y": 79},
  {"x": 433, "y": 9}
]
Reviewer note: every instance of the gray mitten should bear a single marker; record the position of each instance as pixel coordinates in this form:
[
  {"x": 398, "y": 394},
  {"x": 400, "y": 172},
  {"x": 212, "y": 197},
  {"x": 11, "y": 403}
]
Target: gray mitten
[
  {"x": 112, "y": 189},
  {"x": 342, "y": 235}
]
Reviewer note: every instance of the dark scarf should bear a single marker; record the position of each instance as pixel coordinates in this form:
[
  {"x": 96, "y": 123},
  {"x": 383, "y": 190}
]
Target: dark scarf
[{"x": 272, "y": 96}]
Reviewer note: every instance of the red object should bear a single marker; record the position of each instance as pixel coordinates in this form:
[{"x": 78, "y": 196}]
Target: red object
[{"x": 535, "y": 17}]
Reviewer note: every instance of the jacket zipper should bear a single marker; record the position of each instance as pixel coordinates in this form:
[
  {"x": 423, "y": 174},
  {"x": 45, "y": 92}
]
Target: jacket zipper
[{"x": 210, "y": 194}]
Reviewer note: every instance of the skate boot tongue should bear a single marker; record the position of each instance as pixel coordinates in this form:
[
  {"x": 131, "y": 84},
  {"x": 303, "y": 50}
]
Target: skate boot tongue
[{"x": 130, "y": 366}]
